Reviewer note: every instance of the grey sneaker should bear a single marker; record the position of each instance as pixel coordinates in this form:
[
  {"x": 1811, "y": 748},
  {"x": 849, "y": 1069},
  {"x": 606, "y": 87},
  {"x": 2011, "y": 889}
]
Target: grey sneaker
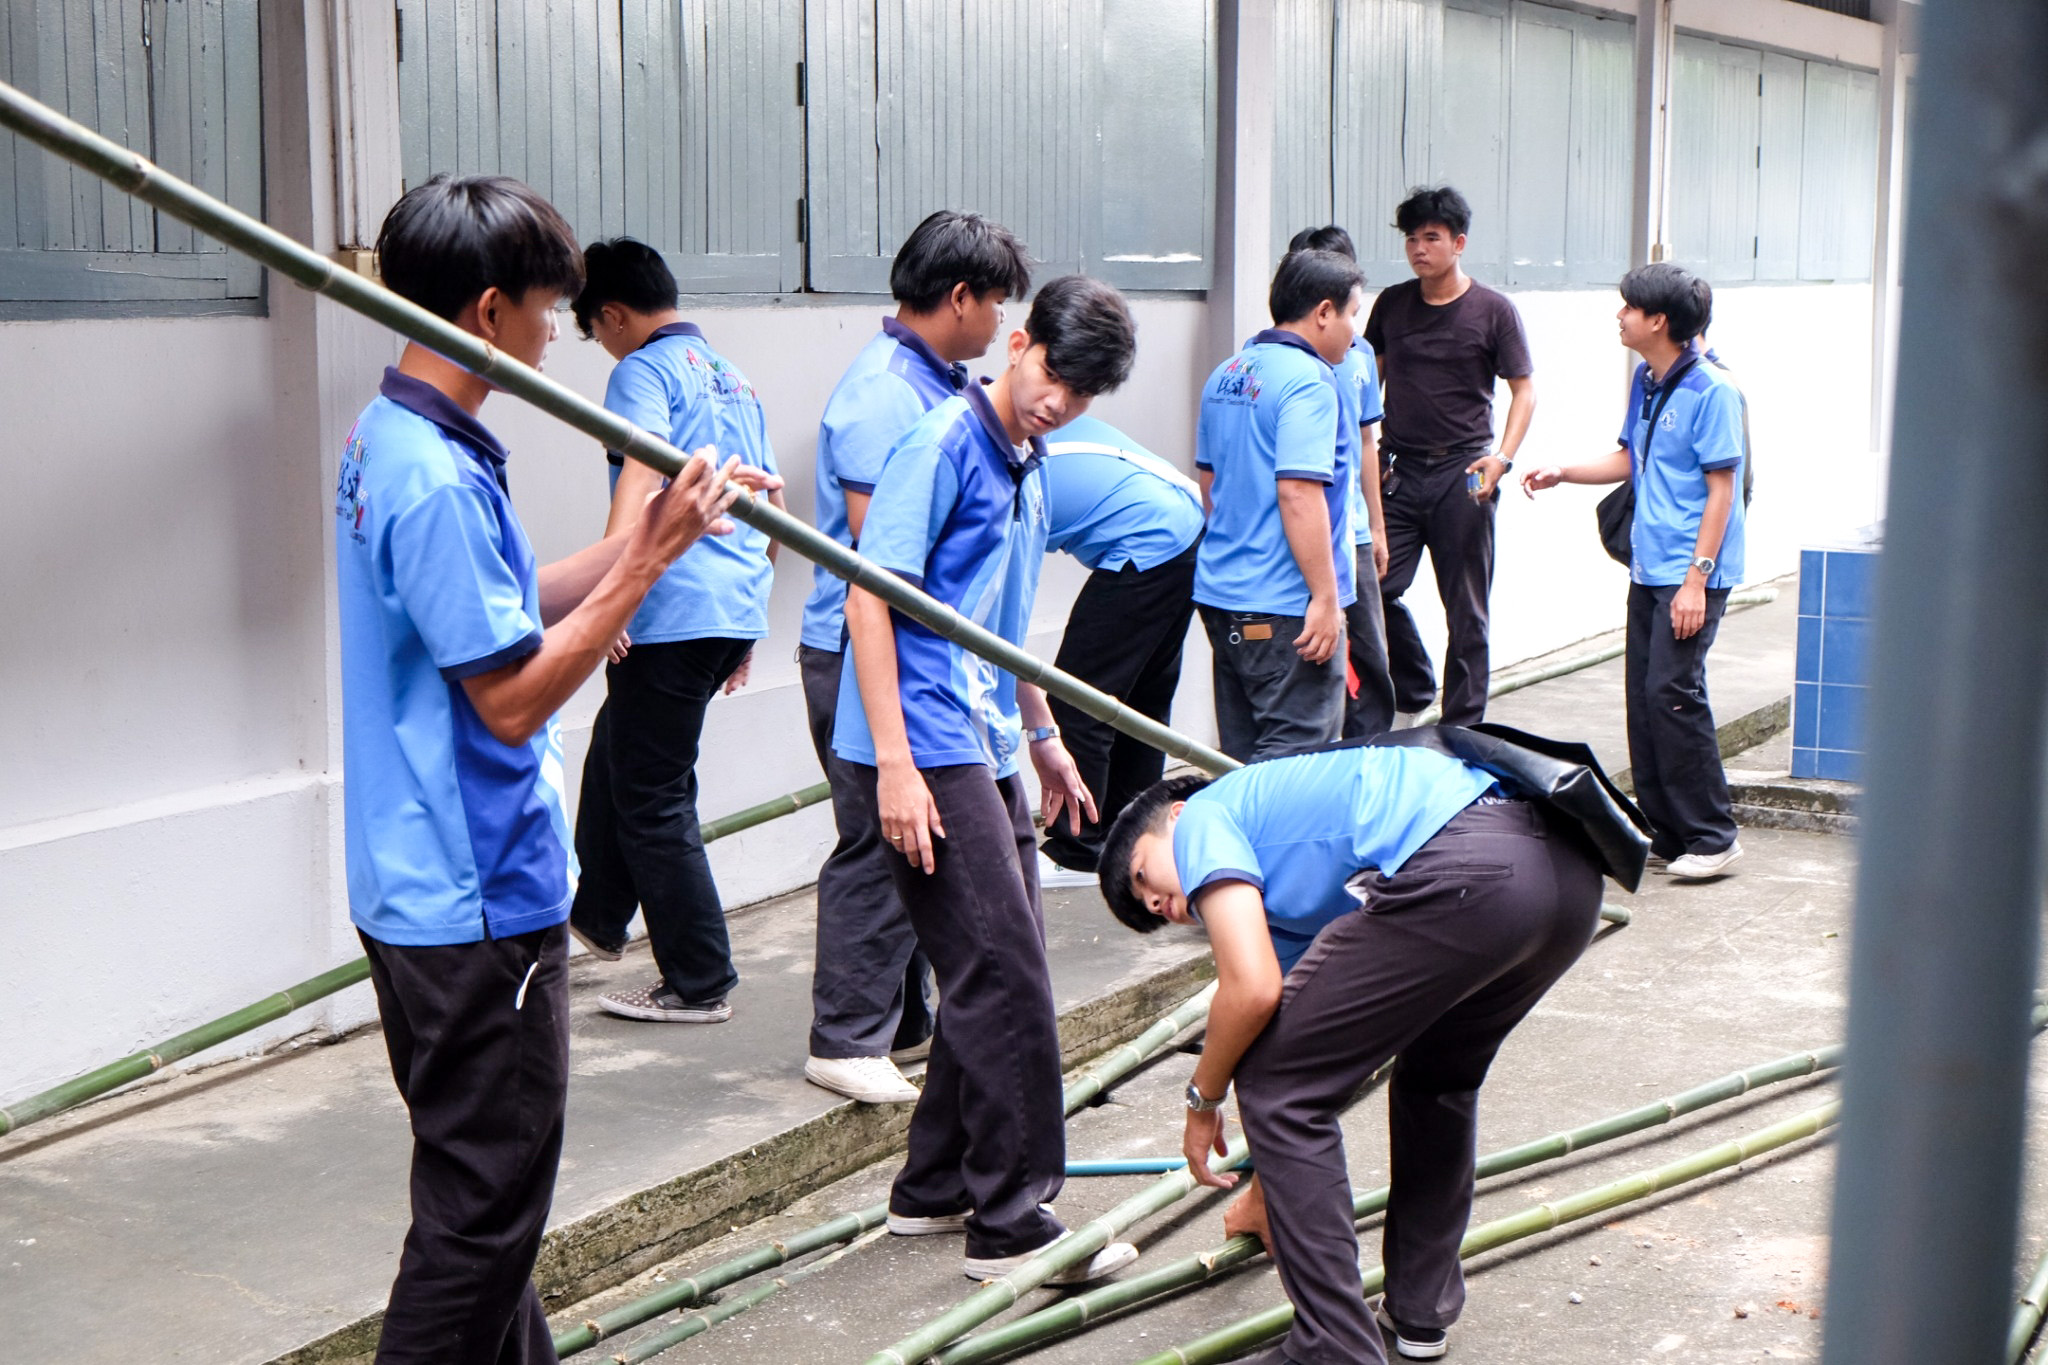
[
  {"x": 914, "y": 1225},
  {"x": 662, "y": 1005},
  {"x": 593, "y": 947},
  {"x": 1415, "y": 1343},
  {"x": 1101, "y": 1265},
  {"x": 1700, "y": 866}
]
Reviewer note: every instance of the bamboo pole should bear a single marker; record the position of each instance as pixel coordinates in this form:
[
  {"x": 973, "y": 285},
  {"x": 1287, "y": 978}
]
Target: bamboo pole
[
  {"x": 1249, "y": 1333},
  {"x": 2026, "y": 1316},
  {"x": 1107, "y": 1070},
  {"x": 134, "y": 1067},
  {"x": 1086, "y": 1309}
]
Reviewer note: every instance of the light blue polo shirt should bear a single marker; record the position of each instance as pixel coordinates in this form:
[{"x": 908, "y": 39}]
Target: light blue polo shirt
[
  {"x": 1699, "y": 429},
  {"x": 1358, "y": 379},
  {"x": 452, "y": 836},
  {"x": 960, "y": 513},
  {"x": 1111, "y": 502},
  {"x": 895, "y": 380},
  {"x": 676, "y": 386},
  {"x": 1298, "y": 827},
  {"x": 1272, "y": 411}
]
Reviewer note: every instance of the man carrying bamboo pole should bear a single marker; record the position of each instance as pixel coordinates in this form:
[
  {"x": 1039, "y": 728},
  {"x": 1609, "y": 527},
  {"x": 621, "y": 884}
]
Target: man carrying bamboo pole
[
  {"x": 456, "y": 652},
  {"x": 1362, "y": 902}
]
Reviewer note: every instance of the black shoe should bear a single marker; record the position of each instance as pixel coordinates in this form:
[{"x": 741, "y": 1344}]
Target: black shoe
[{"x": 1415, "y": 1343}]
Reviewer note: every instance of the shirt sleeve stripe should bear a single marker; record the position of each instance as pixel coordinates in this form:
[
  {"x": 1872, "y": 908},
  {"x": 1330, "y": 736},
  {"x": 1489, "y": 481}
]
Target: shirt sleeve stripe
[
  {"x": 1313, "y": 475},
  {"x": 866, "y": 490},
  {"x": 518, "y": 649},
  {"x": 1228, "y": 874}
]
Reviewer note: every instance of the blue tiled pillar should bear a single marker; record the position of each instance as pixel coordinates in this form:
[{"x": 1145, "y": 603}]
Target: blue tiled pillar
[{"x": 1831, "y": 683}]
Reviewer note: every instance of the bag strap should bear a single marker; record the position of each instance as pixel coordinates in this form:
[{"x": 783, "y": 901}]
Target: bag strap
[{"x": 1664, "y": 392}]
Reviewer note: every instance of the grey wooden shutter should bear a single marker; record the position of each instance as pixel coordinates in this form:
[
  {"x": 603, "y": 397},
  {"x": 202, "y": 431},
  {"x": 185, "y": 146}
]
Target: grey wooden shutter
[
  {"x": 1303, "y": 85},
  {"x": 1389, "y": 60},
  {"x": 1838, "y": 187},
  {"x": 1714, "y": 127},
  {"x": 1781, "y": 154},
  {"x": 177, "y": 80}
]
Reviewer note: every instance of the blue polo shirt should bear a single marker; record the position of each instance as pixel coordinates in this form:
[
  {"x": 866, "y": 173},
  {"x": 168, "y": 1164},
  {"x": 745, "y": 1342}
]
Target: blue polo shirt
[
  {"x": 1111, "y": 502},
  {"x": 1299, "y": 827},
  {"x": 895, "y": 380},
  {"x": 960, "y": 513},
  {"x": 1699, "y": 429},
  {"x": 676, "y": 386},
  {"x": 1272, "y": 411},
  {"x": 1358, "y": 379},
  {"x": 452, "y": 836}
]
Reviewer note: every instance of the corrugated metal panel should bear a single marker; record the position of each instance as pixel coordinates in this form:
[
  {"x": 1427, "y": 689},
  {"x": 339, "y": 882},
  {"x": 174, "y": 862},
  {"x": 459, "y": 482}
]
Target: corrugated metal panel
[
  {"x": 1469, "y": 142},
  {"x": 1780, "y": 158},
  {"x": 1303, "y": 31},
  {"x": 1157, "y": 116},
  {"x": 1838, "y": 198},
  {"x": 1603, "y": 151},
  {"x": 1714, "y": 126},
  {"x": 1539, "y": 115},
  {"x": 1389, "y": 62},
  {"x": 190, "y": 97}
]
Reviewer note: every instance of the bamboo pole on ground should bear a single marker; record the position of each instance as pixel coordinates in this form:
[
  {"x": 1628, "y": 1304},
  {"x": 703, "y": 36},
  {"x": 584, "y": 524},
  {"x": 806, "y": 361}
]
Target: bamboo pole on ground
[
  {"x": 1257, "y": 1330},
  {"x": 1107, "y": 1071},
  {"x": 2026, "y": 1317},
  {"x": 696, "y": 1324},
  {"x": 1142, "y": 1165},
  {"x": 1087, "y": 1309}
]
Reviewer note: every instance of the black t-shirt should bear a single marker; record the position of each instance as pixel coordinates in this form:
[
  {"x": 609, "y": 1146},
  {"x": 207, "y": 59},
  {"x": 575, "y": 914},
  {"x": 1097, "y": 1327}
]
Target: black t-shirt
[{"x": 1441, "y": 362}]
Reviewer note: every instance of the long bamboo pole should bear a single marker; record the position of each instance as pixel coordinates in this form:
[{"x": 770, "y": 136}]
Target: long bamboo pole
[
  {"x": 1141, "y": 1165},
  {"x": 1084, "y": 1310},
  {"x": 1249, "y": 1333},
  {"x": 2026, "y": 1316},
  {"x": 147, "y": 1062},
  {"x": 1107, "y": 1071}
]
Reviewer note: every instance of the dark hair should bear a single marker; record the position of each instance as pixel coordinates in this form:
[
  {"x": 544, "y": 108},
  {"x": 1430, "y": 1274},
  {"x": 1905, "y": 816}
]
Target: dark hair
[
  {"x": 1306, "y": 278},
  {"x": 1087, "y": 331},
  {"x": 447, "y": 241},
  {"x": 623, "y": 271},
  {"x": 1146, "y": 815},
  {"x": 1331, "y": 238},
  {"x": 952, "y": 248},
  {"x": 1685, "y": 300},
  {"x": 1440, "y": 206}
]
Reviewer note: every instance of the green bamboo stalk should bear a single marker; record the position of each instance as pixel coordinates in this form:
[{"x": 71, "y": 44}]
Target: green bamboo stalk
[
  {"x": 773, "y": 809},
  {"x": 1084, "y": 1310},
  {"x": 1107, "y": 1070},
  {"x": 695, "y": 1324},
  {"x": 137, "y": 1065},
  {"x": 2026, "y": 1317},
  {"x": 1257, "y": 1330}
]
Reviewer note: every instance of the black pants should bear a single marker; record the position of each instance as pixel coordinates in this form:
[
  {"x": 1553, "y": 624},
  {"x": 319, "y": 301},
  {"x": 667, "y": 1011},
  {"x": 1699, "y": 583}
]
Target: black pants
[
  {"x": 869, "y": 986},
  {"x": 1427, "y": 507},
  {"x": 1673, "y": 753},
  {"x": 1443, "y": 961},
  {"x": 989, "y": 1132},
  {"x": 479, "y": 1040},
  {"x": 1124, "y": 637},
  {"x": 1269, "y": 700},
  {"x": 1371, "y": 711},
  {"x": 636, "y": 825}
]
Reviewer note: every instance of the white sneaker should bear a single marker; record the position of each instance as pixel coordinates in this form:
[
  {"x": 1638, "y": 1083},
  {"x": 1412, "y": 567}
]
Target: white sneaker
[
  {"x": 1101, "y": 1265},
  {"x": 871, "y": 1080},
  {"x": 916, "y": 1052},
  {"x": 911, "y": 1225},
  {"x": 1699, "y": 866},
  {"x": 1053, "y": 877}
]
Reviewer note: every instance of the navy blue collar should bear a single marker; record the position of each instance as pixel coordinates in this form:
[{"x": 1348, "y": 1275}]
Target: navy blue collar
[
  {"x": 977, "y": 399},
  {"x": 417, "y": 395},
  {"x": 956, "y": 375},
  {"x": 1276, "y": 336},
  {"x": 672, "y": 329}
]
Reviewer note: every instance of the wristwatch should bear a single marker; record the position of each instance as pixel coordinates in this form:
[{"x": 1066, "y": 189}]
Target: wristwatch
[
  {"x": 1198, "y": 1104},
  {"x": 1507, "y": 462},
  {"x": 1042, "y": 732},
  {"x": 1705, "y": 564}
]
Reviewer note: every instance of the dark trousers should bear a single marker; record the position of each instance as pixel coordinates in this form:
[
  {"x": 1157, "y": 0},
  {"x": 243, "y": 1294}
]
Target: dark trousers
[
  {"x": 1269, "y": 700},
  {"x": 989, "y": 1132},
  {"x": 1673, "y": 753},
  {"x": 869, "y": 985},
  {"x": 1124, "y": 637},
  {"x": 479, "y": 1040},
  {"x": 1371, "y": 711},
  {"x": 1427, "y": 508},
  {"x": 1444, "y": 959},
  {"x": 636, "y": 825}
]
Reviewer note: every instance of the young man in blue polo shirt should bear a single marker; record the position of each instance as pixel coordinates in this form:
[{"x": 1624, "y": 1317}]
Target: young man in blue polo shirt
[
  {"x": 869, "y": 1005},
  {"x": 1276, "y": 454},
  {"x": 1133, "y": 519},
  {"x": 1362, "y": 903},
  {"x": 637, "y": 835},
  {"x": 936, "y": 733},
  {"x": 456, "y": 652},
  {"x": 1682, "y": 443}
]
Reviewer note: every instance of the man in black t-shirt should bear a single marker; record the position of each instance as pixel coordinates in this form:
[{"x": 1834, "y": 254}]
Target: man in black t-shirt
[{"x": 1442, "y": 339}]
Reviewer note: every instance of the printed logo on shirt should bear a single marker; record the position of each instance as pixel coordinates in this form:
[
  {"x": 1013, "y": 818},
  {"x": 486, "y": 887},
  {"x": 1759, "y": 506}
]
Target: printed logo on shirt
[
  {"x": 1668, "y": 422},
  {"x": 348, "y": 502},
  {"x": 723, "y": 379},
  {"x": 1240, "y": 382}
]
